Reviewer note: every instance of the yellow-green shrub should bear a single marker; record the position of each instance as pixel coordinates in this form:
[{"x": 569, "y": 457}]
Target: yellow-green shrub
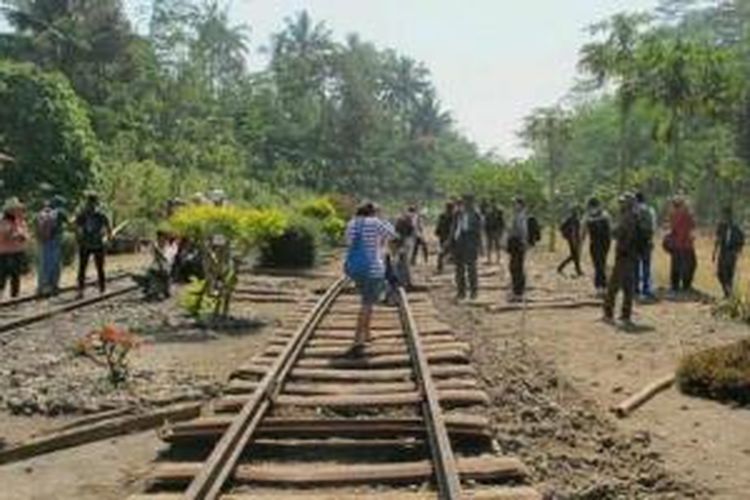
[
  {"x": 721, "y": 373},
  {"x": 318, "y": 208},
  {"x": 224, "y": 235}
]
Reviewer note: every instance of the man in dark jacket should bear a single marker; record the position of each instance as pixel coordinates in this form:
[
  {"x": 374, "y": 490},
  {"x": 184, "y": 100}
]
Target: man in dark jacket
[
  {"x": 571, "y": 231},
  {"x": 729, "y": 243},
  {"x": 443, "y": 234},
  {"x": 92, "y": 230},
  {"x": 494, "y": 227},
  {"x": 466, "y": 236},
  {"x": 626, "y": 255},
  {"x": 598, "y": 227}
]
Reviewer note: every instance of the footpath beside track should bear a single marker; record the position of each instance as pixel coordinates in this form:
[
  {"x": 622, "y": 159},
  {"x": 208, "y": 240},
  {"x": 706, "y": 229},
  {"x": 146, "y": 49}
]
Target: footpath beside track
[{"x": 306, "y": 414}]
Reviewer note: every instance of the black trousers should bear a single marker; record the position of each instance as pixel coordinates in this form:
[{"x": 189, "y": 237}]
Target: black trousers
[
  {"x": 516, "y": 266},
  {"x": 622, "y": 279},
  {"x": 682, "y": 269},
  {"x": 419, "y": 243},
  {"x": 574, "y": 246},
  {"x": 83, "y": 263},
  {"x": 725, "y": 269},
  {"x": 493, "y": 239},
  {"x": 465, "y": 257},
  {"x": 599, "y": 252},
  {"x": 11, "y": 267}
]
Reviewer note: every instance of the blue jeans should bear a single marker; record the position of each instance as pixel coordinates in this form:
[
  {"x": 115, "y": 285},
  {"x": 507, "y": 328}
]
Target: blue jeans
[
  {"x": 50, "y": 258},
  {"x": 643, "y": 273}
]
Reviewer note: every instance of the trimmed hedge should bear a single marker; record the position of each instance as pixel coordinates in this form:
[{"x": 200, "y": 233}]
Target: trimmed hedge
[
  {"x": 721, "y": 373},
  {"x": 297, "y": 247}
]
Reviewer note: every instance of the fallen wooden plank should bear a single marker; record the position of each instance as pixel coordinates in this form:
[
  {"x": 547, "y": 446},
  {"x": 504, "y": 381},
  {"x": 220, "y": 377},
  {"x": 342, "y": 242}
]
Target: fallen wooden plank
[
  {"x": 488, "y": 493},
  {"x": 380, "y": 341},
  {"x": 324, "y": 474},
  {"x": 438, "y": 371},
  {"x": 385, "y": 361},
  {"x": 626, "y": 407},
  {"x": 211, "y": 428},
  {"x": 371, "y": 349},
  {"x": 244, "y": 387},
  {"x": 98, "y": 431},
  {"x": 90, "y": 419},
  {"x": 450, "y": 398}
]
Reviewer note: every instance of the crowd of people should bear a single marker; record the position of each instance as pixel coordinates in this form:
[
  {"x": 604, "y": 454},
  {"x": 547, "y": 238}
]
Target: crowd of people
[{"x": 465, "y": 231}]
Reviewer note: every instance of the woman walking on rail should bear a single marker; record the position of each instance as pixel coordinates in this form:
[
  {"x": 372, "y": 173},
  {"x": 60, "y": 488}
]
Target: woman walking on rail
[{"x": 366, "y": 234}]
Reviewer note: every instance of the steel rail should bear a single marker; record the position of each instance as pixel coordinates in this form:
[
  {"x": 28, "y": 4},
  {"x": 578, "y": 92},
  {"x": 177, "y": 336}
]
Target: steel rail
[
  {"x": 71, "y": 306},
  {"x": 69, "y": 288},
  {"x": 208, "y": 483},
  {"x": 446, "y": 471}
]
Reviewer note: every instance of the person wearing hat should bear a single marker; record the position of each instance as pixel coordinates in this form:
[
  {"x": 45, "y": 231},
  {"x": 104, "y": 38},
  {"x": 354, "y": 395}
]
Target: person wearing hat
[
  {"x": 92, "y": 227},
  {"x": 14, "y": 238},
  {"x": 466, "y": 235},
  {"x": 517, "y": 244},
  {"x": 50, "y": 223},
  {"x": 681, "y": 246},
  {"x": 571, "y": 232},
  {"x": 626, "y": 254}
]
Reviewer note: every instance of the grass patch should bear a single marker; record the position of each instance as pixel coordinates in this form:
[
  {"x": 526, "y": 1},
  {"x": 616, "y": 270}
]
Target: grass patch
[{"x": 721, "y": 373}]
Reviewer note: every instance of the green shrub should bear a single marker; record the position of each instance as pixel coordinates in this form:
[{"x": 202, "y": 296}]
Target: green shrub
[
  {"x": 721, "y": 373},
  {"x": 318, "y": 208},
  {"x": 334, "y": 228},
  {"x": 297, "y": 247},
  {"x": 195, "y": 300}
]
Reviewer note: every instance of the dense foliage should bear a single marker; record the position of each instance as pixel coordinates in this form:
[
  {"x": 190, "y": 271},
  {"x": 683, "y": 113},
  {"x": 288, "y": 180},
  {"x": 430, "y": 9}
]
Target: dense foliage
[
  {"x": 721, "y": 373},
  {"x": 176, "y": 110},
  {"x": 662, "y": 106},
  {"x": 44, "y": 126}
]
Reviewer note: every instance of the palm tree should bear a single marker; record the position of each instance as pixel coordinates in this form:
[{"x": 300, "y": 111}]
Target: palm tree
[
  {"x": 219, "y": 47},
  {"x": 613, "y": 60}
]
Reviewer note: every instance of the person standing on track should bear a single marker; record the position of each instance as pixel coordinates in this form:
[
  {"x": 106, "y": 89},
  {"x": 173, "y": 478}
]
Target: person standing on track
[
  {"x": 626, "y": 254},
  {"x": 571, "y": 231},
  {"x": 50, "y": 224},
  {"x": 729, "y": 243},
  {"x": 14, "y": 238},
  {"x": 466, "y": 236},
  {"x": 598, "y": 226},
  {"x": 92, "y": 227},
  {"x": 443, "y": 234},
  {"x": 518, "y": 241},
  {"x": 494, "y": 227},
  {"x": 366, "y": 234}
]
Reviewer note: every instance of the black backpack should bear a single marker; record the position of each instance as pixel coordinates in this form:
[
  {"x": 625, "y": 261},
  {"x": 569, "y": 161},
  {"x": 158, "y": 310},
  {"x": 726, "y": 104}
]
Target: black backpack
[{"x": 534, "y": 230}]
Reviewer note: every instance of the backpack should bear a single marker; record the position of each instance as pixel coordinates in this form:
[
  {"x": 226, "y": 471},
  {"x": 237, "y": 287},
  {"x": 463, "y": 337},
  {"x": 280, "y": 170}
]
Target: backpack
[
  {"x": 405, "y": 227},
  {"x": 46, "y": 224},
  {"x": 737, "y": 239},
  {"x": 567, "y": 229},
  {"x": 357, "y": 265},
  {"x": 534, "y": 230}
]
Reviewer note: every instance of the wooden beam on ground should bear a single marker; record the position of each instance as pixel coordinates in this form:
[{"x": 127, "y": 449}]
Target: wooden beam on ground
[
  {"x": 458, "y": 425},
  {"x": 99, "y": 430},
  {"x": 297, "y": 388},
  {"x": 333, "y": 374},
  {"x": 488, "y": 493},
  {"x": 537, "y": 306},
  {"x": 629, "y": 405},
  {"x": 323, "y": 474}
]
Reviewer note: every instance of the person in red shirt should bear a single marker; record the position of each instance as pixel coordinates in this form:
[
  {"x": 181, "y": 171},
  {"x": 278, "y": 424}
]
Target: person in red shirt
[
  {"x": 14, "y": 237},
  {"x": 681, "y": 246}
]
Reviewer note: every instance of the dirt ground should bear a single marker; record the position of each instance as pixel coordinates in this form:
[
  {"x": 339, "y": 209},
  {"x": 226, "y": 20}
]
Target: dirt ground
[
  {"x": 703, "y": 446},
  {"x": 551, "y": 374}
]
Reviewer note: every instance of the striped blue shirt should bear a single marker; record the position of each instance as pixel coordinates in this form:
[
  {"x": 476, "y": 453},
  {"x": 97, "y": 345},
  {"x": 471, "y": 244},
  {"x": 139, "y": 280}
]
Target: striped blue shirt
[{"x": 374, "y": 234}]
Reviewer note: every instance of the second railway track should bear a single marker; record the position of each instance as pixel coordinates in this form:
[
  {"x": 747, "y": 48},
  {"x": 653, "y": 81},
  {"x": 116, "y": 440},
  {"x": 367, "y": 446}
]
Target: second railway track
[
  {"x": 404, "y": 420},
  {"x": 27, "y": 310}
]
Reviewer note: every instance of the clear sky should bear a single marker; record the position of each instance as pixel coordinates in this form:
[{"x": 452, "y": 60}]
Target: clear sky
[{"x": 492, "y": 61}]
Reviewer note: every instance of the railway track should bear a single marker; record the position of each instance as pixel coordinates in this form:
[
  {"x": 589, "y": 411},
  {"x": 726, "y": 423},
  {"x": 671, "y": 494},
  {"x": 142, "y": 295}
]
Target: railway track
[
  {"x": 27, "y": 310},
  {"x": 305, "y": 418}
]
